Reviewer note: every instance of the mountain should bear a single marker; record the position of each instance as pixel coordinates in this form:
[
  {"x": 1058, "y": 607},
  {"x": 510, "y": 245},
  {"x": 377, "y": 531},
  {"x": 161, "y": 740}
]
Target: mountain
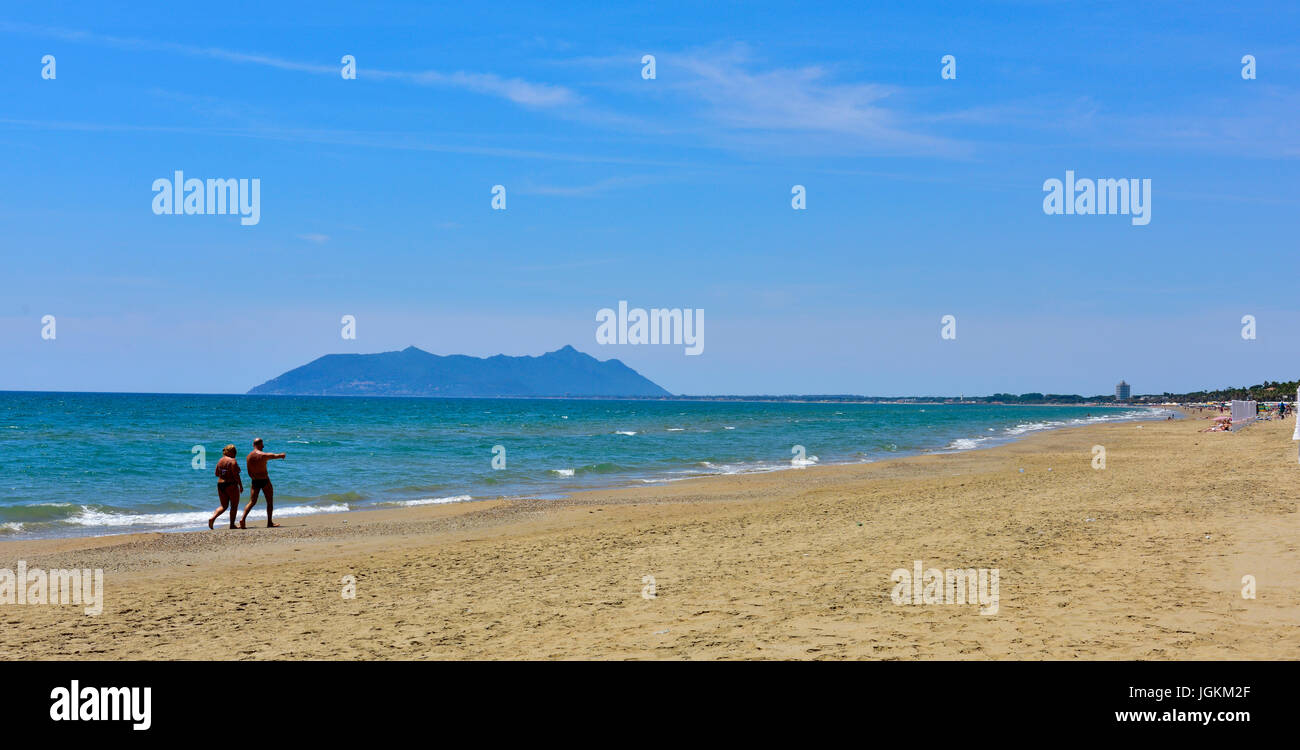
[{"x": 415, "y": 372}]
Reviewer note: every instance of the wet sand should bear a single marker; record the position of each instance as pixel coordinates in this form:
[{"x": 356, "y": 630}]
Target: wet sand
[{"x": 1143, "y": 559}]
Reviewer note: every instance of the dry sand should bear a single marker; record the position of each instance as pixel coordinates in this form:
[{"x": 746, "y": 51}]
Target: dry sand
[{"x": 1141, "y": 560}]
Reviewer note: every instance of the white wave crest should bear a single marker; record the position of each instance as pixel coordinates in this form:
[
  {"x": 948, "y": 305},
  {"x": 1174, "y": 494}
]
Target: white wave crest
[
  {"x": 437, "y": 500},
  {"x": 96, "y": 518}
]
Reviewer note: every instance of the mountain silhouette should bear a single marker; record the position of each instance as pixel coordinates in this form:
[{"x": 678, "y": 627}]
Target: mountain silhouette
[{"x": 415, "y": 372}]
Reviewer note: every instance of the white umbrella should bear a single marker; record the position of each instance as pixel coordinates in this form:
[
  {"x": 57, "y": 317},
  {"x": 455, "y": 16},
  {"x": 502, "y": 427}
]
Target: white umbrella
[{"x": 1296, "y": 435}]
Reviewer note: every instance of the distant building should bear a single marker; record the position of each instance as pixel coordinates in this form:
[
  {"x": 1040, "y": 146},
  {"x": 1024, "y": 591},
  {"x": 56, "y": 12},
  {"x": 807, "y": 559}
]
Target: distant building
[{"x": 1123, "y": 391}]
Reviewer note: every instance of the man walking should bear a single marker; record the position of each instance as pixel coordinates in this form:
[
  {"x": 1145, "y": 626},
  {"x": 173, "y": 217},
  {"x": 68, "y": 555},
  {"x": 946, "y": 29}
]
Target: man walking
[{"x": 261, "y": 482}]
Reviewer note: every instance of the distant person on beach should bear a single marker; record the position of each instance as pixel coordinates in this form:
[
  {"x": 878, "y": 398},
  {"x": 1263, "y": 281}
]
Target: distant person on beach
[
  {"x": 229, "y": 485},
  {"x": 261, "y": 482}
]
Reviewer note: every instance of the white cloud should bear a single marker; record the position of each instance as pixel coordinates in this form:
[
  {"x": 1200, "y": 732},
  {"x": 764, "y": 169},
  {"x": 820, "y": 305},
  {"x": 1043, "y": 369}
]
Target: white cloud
[{"x": 740, "y": 95}]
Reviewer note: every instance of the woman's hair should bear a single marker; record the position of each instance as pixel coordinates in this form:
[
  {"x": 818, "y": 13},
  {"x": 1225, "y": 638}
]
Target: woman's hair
[{"x": 229, "y": 450}]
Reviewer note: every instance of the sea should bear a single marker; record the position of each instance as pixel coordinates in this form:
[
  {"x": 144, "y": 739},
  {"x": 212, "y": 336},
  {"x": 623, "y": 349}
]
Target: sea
[{"x": 93, "y": 464}]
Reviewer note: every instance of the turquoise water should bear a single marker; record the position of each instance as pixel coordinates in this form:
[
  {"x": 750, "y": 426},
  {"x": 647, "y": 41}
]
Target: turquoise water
[{"x": 112, "y": 463}]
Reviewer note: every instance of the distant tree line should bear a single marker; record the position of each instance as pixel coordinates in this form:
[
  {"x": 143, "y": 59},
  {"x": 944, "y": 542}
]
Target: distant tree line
[
  {"x": 997, "y": 398},
  {"x": 1267, "y": 391}
]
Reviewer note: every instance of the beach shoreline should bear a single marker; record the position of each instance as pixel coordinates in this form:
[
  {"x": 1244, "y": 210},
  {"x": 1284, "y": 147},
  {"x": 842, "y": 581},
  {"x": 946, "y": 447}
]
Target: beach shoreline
[
  {"x": 1143, "y": 559},
  {"x": 98, "y": 511}
]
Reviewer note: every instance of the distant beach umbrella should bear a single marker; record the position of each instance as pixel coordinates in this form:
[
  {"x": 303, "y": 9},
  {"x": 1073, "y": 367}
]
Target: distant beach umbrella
[{"x": 1296, "y": 435}]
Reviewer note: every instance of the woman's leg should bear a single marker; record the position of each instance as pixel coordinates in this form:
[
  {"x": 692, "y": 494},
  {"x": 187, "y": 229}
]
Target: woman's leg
[
  {"x": 221, "y": 497},
  {"x": 234, "y": 504}
]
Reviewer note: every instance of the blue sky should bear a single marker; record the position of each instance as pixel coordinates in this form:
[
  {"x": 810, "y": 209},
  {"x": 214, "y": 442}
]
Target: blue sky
[{"x": 924, "y": 195}]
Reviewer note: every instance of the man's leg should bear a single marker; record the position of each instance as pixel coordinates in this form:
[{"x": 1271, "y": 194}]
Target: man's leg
[
  {"x": 270, "y": 494},
  {"x": 252, "y": 500}
]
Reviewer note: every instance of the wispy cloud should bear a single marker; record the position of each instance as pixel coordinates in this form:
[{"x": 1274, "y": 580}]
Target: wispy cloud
[
  {"x": 595, "y": 188},
  {"x": 88, "y": 37},
  {"x": 517, "y": 90},
  {"x": 739, "y": 103},
  {"x": 315, "y": 238},
  {"x": 743, "y": 103},
  {"x": 727, "y": 98},
  {"x": 1259, "y": 122},
  {"x": 740, "y": 95},
  {"x": 733, "y": 99}
]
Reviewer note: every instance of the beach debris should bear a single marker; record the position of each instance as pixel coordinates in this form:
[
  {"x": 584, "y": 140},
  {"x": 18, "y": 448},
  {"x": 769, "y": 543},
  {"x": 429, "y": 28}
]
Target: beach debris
[
  {"x": 1022, "y": 471},
  {"x": 1089, "y": 520},
  {"x": 661, "y": 632}
]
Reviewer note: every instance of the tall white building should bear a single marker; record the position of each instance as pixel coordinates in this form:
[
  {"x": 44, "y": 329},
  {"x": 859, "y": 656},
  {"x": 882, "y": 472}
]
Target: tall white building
[{"x": 1123, "y": 391}]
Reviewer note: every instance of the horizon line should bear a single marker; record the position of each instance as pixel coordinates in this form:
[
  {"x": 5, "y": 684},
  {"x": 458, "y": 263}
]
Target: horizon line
[{"x": 671, "y": 397}]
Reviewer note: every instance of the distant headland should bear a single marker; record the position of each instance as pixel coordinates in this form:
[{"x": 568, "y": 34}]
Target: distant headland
[{"x": 415, "y": 372}]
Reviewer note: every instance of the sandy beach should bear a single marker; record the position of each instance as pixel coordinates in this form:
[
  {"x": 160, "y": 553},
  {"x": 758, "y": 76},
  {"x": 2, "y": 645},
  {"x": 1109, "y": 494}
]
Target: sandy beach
[{"x": 1143, "y": 559}]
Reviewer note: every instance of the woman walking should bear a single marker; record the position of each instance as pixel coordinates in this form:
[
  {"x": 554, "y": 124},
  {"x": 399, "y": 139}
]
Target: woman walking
[{"x": 229, "y": 485}]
